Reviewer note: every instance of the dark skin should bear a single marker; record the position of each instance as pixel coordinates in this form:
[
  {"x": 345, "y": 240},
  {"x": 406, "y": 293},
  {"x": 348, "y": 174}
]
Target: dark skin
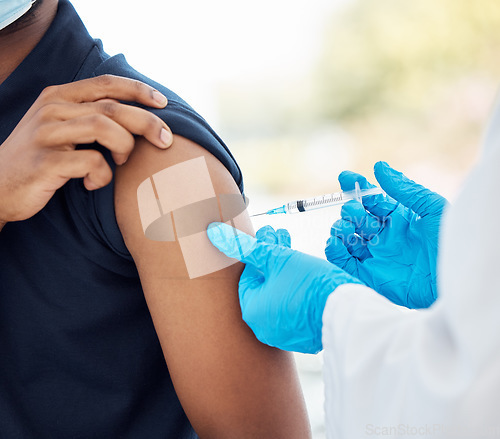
[
  {"x": 39, "y": 155},
  {"x": 230, "y": 384}
]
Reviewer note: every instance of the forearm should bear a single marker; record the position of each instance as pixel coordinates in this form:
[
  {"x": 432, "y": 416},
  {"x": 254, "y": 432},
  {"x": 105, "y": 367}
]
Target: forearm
[
  {"x": 378, "y": 357},
  {"x": 469, "y": 278},
  {"x": 423, "y": 367}
]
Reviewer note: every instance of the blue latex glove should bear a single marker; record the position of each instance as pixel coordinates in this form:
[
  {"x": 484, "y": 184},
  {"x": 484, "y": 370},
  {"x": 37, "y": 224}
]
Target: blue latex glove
[
  {"x": 282, "y": 292},
  {"x": 391, "y": 243}
]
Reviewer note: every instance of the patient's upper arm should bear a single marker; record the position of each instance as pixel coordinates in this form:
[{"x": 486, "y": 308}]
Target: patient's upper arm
[{"x": 229, "y": 384}]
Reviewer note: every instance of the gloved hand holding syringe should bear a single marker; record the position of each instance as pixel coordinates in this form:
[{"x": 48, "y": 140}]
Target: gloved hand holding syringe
[
  {"x": 328, "y": 200},
  {"x": 283, "y": 292}
]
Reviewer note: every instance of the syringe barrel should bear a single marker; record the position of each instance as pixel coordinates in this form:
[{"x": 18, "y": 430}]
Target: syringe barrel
[
  {"x": 329, "y": 200},
  {"x": 305, "y": 205}
]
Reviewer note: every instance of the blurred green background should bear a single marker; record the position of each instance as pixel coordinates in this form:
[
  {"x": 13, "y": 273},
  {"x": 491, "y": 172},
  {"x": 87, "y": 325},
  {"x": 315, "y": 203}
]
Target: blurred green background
[{"x": 409, "y": 82}]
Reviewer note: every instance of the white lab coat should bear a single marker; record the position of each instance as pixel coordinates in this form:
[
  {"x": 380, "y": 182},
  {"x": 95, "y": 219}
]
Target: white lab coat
[{"x": 393, "y": 372}]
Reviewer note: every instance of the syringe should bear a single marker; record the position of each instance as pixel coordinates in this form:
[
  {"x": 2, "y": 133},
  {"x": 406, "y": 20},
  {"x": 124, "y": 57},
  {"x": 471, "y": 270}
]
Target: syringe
[{"x": 327, "y": 200}]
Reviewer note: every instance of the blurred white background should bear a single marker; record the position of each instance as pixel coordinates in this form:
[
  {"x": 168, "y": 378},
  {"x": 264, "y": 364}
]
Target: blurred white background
[
  {"x": 193, "y": 46},
  {"x": 303, "y": 89}
]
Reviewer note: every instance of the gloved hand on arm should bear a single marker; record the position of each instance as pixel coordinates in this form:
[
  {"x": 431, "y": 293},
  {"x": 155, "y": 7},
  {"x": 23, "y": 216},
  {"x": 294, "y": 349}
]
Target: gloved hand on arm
[
  {"x": 390, "y": 242},
  {"x": 282, "y": 292}
]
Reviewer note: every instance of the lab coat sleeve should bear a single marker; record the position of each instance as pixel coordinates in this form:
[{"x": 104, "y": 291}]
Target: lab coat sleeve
[{"x": 391, "y": 371}]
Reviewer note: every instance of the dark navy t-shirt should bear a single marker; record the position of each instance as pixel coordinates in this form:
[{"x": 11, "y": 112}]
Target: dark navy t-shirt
[{"x": 79, "y": 356}]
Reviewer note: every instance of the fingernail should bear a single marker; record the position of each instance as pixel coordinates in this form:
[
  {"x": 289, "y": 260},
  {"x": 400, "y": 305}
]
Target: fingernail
[
  {"x": 166, "y": 137},
  {"x": 214, "y": 232},
  {"x": 91, "y": 186},
  {"x": 214, "y": 228},
  {"x": 160, "y": 98}
]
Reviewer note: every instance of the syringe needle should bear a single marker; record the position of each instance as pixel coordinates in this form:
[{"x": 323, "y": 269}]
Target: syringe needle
[{"x": 327, "y": 200}]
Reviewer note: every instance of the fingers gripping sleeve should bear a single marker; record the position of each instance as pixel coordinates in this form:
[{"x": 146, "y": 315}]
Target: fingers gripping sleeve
[{"x": 183, "y": 121}]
